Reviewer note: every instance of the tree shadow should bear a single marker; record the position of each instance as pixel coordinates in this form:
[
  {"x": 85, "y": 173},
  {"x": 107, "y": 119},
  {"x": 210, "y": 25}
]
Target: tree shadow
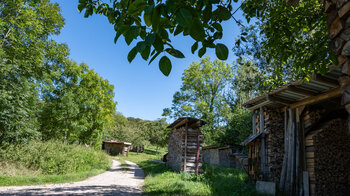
[{"x": 81, "y": 190}]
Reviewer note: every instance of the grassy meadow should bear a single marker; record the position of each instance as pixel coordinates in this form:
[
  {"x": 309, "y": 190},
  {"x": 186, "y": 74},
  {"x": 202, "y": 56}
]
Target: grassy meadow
[{"x": 49, "y": 162}]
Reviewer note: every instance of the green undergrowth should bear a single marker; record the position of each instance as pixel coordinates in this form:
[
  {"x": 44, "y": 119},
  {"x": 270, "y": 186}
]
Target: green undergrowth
[
  {"x": 215, "y": 180},
  {"x": 49, "y": 162}
]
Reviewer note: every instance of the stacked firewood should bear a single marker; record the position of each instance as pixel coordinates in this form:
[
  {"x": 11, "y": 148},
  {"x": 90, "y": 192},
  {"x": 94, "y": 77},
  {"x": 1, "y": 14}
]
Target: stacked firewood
[
  {"x": 332, "y": 159},
  {"x": 175, "y": 149},
  {"x": 274, "y": 128},
  {"x": 179, "y": 154}
]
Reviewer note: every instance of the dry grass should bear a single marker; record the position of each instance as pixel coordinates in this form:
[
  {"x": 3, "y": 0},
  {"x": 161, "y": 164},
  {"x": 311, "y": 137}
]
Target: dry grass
[{"x": 10, "y": 169}]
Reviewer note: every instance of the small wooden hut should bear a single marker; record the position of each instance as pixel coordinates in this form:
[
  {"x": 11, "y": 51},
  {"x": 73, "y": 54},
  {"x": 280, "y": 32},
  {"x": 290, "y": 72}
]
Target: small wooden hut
[
  {"x": 227, "y": 156},
  {"x": 301, "y": 135},
  {"x": 116, "y": 147},
  {"x": 185, "y": 144}
]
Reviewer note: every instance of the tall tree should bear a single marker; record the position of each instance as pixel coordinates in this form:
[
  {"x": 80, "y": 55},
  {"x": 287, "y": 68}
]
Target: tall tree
[
  {"x": 202, "y": 90},
  {"x": 25, "y": 28}
]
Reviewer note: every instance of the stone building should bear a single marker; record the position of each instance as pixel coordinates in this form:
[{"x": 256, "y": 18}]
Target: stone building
[{"x": 185, "y": 145}]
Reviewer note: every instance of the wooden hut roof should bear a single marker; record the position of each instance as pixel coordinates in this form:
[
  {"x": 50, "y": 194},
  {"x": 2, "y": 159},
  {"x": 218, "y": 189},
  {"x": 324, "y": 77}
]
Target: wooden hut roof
[
  {"x": 116, "y": 142},
  {"x": 298, "y": 93},
  {"x": 251, "y": 138},
  {"x": 181, "y": 121}
]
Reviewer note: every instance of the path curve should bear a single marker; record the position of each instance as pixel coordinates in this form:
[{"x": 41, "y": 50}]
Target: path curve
[{"x": 115, "y": 181}]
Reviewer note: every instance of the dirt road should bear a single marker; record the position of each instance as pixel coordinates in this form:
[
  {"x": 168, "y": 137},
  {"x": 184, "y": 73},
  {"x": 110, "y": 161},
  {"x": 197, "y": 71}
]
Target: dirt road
[{"x": 116, "y": 181}]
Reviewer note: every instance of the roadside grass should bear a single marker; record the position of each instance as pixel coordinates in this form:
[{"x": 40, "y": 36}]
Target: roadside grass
[
  {"x": 215, "y": 180},
  {"x": 49, "y": 162}
]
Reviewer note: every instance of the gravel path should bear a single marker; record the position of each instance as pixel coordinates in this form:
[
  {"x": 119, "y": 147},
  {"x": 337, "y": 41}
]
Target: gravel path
[{"x": 113, "y": 182}]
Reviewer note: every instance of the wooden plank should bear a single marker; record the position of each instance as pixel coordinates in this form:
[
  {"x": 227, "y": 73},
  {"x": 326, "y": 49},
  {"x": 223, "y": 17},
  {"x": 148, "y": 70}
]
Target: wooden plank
[
  {"x": 263, "y": 153},
  {"x": 254, "y": 122},
  {"x": 325, "y": 80},
  {"x": 198, "y": 146},
  {"x": 185, "y": 156},
  {"x": 327, "y": 95},
  {"x": 310, "y": 154},
  {"x": 254, "y": 107},
  {"x": 278, "y": 100},
  {"x": 306, "y": 183}
]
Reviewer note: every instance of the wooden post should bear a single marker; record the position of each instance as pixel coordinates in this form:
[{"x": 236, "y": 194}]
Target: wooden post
[
  {"x": 306, "y": 183},
  {"x": 185, "y": 157},
  {"x": 285, "y": 156},
  {"x": 297, "y": 186},
  {"x": 198, "y": 133},
  {"x": 254, "y": 122},
  {"x": 263, "y": 151}
]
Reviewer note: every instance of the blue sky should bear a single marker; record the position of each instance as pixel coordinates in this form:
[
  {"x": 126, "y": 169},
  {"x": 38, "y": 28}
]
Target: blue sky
[{"x": 141, "y": 90}]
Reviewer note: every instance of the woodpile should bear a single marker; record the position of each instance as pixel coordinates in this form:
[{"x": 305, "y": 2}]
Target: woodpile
[
  {"x": 274, "y": 128},
  {"x": 182, "y": 150},
  {"x": 328, "y": 159}
]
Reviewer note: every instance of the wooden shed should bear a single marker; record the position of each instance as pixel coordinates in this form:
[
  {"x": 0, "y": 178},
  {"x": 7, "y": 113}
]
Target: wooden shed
[
  {"x": 300, "y": 136},
  {"x": 116, "y": 147},
  {"x": 227, "y": 156},
  {"x": 185, "y": 145}
]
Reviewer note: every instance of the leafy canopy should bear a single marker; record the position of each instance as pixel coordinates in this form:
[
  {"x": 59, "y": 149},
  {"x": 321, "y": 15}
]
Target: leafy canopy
[
  {"x": 286, "y": 42},
  {"x": 153, "y": 23}
]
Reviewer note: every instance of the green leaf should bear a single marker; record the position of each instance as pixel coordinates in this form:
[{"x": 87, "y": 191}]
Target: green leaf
[
  {"x": 175, "y": 53},
  {"x": 132, "y": 54},
  {"x": 217, "y": 26},
  {"x": 81, "y": 7},
  {"x": 194, "y": 47},
  {"x": 154, "y": 57},
  {"x": 165, "y": 65},
  {"x": 145, "y": 53},
  {"x": 148, "y": 19},
  {"x": 184, "y": 17},
  {"x": 136, "y": 7},
  {"x": 222, "y": 13},
  {"x": 120, "y": 30},
  {"x": 140, "y": 46},
  {"x": 221, "y": 51},
  {"x": 156, "y": 18},
  {"x": 178, "y": 30},
  {"x": 158, "y": 44},
  {"x": 197, "y": 31},
  {"x": 150, "y": 39},
  {"x": 207, "y": 13},
  {"x": 202, "y": 51}
]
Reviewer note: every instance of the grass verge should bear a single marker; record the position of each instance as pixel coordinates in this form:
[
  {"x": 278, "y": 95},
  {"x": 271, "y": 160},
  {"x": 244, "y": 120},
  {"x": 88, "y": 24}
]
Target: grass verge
[
  {"x": 49, "y": 162},
  {"x": 215, "y": 180},
  {"x": 6, "y": 180}
]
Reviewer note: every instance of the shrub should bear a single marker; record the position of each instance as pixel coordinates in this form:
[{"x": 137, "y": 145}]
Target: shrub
[{"x": 54, "y": 157}]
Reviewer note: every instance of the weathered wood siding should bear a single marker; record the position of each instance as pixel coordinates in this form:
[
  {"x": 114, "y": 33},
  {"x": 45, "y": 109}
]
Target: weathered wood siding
[{"x": 177, "y": 150}]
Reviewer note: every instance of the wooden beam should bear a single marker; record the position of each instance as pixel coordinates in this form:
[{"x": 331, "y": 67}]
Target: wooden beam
[
  {"x": 254, "y": 122},
  {"x": 185, "y": 157},
  {"x": 254, "y": 107},
  {"x": 327, "y": 95},
  {"x": 301, "y": 91},
  {"x": 263, "y": 150},
  {"x": 325, "y": 80},
  {"x": 181, "y": 123},
  {"x": 278, "y": 100}
]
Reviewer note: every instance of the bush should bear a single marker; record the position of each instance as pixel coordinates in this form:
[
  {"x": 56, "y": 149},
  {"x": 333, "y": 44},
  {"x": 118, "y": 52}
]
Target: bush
[{"x": 54, "y": 157}]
